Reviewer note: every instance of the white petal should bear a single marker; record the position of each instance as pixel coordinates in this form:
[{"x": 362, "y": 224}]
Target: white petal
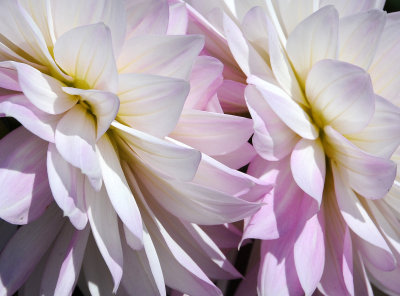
[
  {"x": 312, "y": 40},
  {"x": 171, "y": 56},
  {"x": 67, "y": 186},
  {"x": 308, "y": 167},
  {"x": 348, "y": 7},
  {"x": 166, "y": 158},
  {"x": 25, "y": 192},
  {"x": 146, "y": 99},
  {"x": 359, "y": 37},
  {"x": 178, "y": 19},
  {"x": 75, "y": 139},
  {"x": 104, "y": 105},
  {"x": 104, "y": 225},
  {"x": 86, "y": 54},
  {"x": 118, "y": 189}
]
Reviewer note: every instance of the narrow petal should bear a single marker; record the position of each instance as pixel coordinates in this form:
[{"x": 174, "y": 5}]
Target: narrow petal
[
  {"x": 64, "y": 262},
  {"x": 362, "y": 285},
  {"x": 286, "y": 109},
  {"x": 272, "y": 139},
  {"x": 146, "y": 99},
  {"x": 67, "y": 186},
  {"x": 111, "y": 13},
  {"x": 381, "y": 136},
  {"x": 205, "y": 80},
  {"x": 385, "y": 68},
  {"x": 171, "y": 56},
  {"x": 212, "y": 133},
  {"x": 341, "y": 95},
  {"x": 309, "y": 253},
  {"x": 178, "y": 19},
  {"x": 167, "y": 158},
  {"x": 33, "y": 119},
  {"x": 75, "y": 140},
  {"x": 359, "y": 37},
  {"x": 90, "y": 61},
  {"x": 104, "y": 225},
  {"x": 25, "y": 192},
  {"x": 370, "y": 176},
  {"x": 19, "y": 258},
  {"x": 118, "y": 189},
  {"x": 359, "y": 221},
  {"x": 245, "y": 55},
  {"x": 104, "y": 105},
  {"x": 313, "y": 39},
  {"x": 307, "y": 162},
  {"x": 43, "y": 91}
]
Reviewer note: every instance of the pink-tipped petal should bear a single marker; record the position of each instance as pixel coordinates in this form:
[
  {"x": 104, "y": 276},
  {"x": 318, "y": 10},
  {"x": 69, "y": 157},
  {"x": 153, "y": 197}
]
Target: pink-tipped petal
[
  {"x": 309, "y": 253},
  {"x": 33, "y": 119},
  {"x": 25, "y": 192},
  {"x": 64, "y": 263},
  {"x": 370, "y": 176},
  {"x": 67, "y": 186},
  {"x": 341, "y": 95},
  {"x": 359, "y": 37},
  {"x": 167, "y": 158},
  {"x": 104, "y": 225},
  {"x": 212, "y": 133},
  {"x": 86, "y": 54},
  {"x": 75, "y": 140},
  {"x": 146, "y": 99},
  {"x": 118, "y": 189},
  {"x": 142, "y": 54},
  {"x": 307, "y": 163},
  {"x": 314, "y": 39},
  {"x": 19, "y": 258}
]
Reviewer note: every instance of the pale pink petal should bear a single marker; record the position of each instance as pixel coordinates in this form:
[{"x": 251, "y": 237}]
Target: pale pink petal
[
  {"x": 118, "y": 189},
  {"x": 192, "y": 202},
  {"x": 386, "y": 281},
  {"x": 86, "y": 54},
  {"x": 166, "y": 158},
  {"x": 19, "y": 258},
  {"x": 75, "y": 140},
  {"x": 178, "y": 19},
  {"x": 104, "y": 225},
  {"x": 359, "y": 37},
  {"x": 272, "y": 139},
  {"x": 244, "y": 53},
  {"x": 146, "y": 99},
  {"x": 341, "y": 95},
  {"x": 312, "y": 40},
  {"x": 146, "y": 17},
  {"x": 337, "y": 278},
  {"x": 360, "y": 223},
  {"x": 64, "y": 262},
  {"x": 309, "y": 253},
  {"x": 36, "y": 121},
  {"x": 348, "y": 7},
  {"x": 381, "y": 137},
  {"x": 225, "y": 236},
  {"x": 231, "y": 96},
  {"x": 362, "y": 285},
  {"x": 111, "y": 13},
  {"x": 171, "y": 56},
  {"x": 32, "y": 284},
  {"x": 370, "y": 176},
  {"x": 212, "y": 133},
  {"x": 237, "y": 158},
  {"x": 25, "y": 192},
  {"x": 307, "y": 163},
  {"x": 67, "y": 186},
  {"x": 277, "y": 274},
  {"x": 9, "y": 78},
  {"x": 385, "y": 68},
  {"x": 205, "y": 80},
  {"x": 214, "y": 105},
  {"x": 286, "y": 108},
  {"x": 42, "y": 90},
  {"x": 104, "y": 105}
]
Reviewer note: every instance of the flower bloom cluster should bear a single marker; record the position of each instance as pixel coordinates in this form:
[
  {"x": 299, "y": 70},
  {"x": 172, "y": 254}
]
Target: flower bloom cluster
[{"x": 135, "y": 116}]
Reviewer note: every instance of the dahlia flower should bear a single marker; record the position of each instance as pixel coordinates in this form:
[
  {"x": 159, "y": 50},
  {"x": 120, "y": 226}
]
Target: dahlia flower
[
  {"x": 98, "y": 87},
  {"x": 318, "y": 77}
]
